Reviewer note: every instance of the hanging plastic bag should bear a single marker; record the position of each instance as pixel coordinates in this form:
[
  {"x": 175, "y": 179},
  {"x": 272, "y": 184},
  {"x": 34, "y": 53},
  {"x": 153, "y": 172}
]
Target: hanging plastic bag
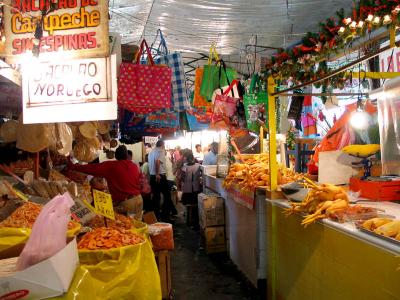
[
  {"x": 256, "y": 104},
  {"x": 48, "y": 232},
  {"x": 224, "y": 109},
  {"x": 212, "y": 78}
]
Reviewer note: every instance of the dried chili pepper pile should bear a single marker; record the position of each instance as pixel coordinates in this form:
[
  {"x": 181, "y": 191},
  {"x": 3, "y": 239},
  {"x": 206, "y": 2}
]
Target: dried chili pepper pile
[{"x": 108, "y": 238}]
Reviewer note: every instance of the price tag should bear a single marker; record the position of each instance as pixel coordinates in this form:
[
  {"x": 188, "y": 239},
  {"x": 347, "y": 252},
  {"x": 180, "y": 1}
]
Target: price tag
[{"x": 103, "y": 204}]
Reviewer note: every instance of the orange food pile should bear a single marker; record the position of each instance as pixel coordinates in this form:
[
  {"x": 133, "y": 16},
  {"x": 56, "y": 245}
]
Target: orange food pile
[
  {"x": 108, "y": 238},
  {"x": 164, "y": 238},
  {"x": 25, "y": 215},
  {"x": 121, "y": 221}
]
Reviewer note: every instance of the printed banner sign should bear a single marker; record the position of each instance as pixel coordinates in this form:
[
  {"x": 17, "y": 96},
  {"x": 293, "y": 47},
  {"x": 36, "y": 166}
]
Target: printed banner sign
[
  {"x": 70, "y": 90},
  {"x": 72, "y": 29}
]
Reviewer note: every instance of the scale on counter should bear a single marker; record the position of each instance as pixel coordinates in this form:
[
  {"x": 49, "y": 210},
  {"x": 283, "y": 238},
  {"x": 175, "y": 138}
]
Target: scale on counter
[{"x": 378, "y": 188}]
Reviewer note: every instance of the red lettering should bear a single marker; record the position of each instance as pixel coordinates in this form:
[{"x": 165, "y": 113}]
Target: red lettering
[
  {"x": 17, "y": 46},
  {"x": 62, "y": 4},
  {"x": 82, "y": 42},
  {"x": 26, "y": 5},
  {"x": 15, "y": 295},
  {"x": 58, "y": 41},
  {"x": 88, "y": 2},
  {"x": 91, "y": 40}
]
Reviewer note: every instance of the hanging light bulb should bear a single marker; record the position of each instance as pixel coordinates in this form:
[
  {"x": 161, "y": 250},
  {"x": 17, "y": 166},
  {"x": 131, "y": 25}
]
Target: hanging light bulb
[
  {"x": 341, "y": 30},
  {"x": 387, "y": 20},
  {"x": 359, "y": 119},
  {"x": 360, "y": 24},
  {"x": 347, "y": 21},
  {"x": 353, "y": 25},
  {"x": 370, "y": 18},
  {"x": 376, "y": 20}
]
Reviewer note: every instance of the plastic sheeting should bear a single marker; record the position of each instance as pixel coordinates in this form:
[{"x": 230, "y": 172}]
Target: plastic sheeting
[
  {"x": 389, "y": 126},
  {"x": 191, "y": 25}
]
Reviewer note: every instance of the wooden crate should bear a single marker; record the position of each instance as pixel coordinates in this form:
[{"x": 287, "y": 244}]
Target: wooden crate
[
  {"x": 164, "y": 269},
  {"x": 214, "y": 239}
]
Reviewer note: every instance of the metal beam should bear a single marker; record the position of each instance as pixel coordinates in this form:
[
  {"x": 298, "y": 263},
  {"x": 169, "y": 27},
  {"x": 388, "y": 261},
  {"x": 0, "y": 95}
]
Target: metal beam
[{"x": 326, "y": 94}]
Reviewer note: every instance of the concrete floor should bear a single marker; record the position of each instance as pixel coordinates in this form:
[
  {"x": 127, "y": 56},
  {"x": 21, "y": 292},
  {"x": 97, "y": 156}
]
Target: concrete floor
[{"x": 197, "y": 276}]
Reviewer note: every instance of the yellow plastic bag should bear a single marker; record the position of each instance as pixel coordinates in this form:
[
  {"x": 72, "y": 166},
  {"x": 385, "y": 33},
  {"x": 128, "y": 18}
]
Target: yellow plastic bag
[
  {"x": 12, "y": 237},
  {"x": 125, "y": 273},
  {"x": 140, "y": 228}
]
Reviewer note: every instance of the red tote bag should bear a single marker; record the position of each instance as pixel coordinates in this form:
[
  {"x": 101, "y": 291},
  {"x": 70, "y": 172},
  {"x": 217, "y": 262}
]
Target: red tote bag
[{"x": 144, "y": 88}]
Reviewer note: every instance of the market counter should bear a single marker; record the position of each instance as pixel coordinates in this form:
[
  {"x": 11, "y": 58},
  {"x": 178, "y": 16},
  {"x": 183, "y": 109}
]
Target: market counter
[
  {"x": 245, "y": 231},
  {"x": 328, "y": 260}
]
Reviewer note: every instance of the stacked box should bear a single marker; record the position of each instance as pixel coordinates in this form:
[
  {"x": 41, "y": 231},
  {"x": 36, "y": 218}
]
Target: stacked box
[
  {"x": 212, "y": 222},
  {"x": 211, "y": 210},
  {"x": 214, "y": 239}
]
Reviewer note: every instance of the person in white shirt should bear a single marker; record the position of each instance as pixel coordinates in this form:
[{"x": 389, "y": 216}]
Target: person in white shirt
[
  {"x": 159, "y": 183},
  {"x": 211, "y": 157},
  {"x": 198, "y": 154}
]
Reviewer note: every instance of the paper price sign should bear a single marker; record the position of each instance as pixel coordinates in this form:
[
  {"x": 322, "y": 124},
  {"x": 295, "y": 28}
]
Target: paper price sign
[{"x": 103, "y": 204}]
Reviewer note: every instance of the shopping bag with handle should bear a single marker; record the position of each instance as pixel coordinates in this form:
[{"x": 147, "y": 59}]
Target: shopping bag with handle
[
  {"x": 144, "y": 88},
  {"x": 211, "y": 79},
  {"x": 179, "y": 97},
  {"x": 256, "y": 104},
  {"x": 224, "y": 109}
]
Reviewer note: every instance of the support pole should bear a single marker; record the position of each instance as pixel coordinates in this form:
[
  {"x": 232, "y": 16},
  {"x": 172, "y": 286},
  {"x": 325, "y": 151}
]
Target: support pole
[
  {"x": 273, "y": 166},
  {"x": 262, "y": 139}
]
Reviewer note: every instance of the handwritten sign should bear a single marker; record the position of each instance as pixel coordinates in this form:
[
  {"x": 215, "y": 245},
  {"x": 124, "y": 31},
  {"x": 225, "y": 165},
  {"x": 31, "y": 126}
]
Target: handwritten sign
[
  {"x": 103, "y": 204},
  {"x": 74, "y": 29},
  {"x": 70, "y": 90}
]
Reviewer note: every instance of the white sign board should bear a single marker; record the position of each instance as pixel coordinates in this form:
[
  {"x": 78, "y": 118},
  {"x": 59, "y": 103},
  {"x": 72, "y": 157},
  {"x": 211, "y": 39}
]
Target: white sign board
[
  {"x": 70, "y": 90},
  {"x": 151, "y": 140}
]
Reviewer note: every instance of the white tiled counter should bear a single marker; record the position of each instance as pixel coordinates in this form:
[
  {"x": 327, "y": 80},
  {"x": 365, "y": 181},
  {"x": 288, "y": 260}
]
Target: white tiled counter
[{"x": 245, "y": 231}]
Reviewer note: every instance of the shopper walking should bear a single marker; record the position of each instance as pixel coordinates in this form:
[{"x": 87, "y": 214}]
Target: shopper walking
[
  {"x": 122, "y": 177},
  {"x": 159, "y": 183},
  {"x": 191, "y": 187}
]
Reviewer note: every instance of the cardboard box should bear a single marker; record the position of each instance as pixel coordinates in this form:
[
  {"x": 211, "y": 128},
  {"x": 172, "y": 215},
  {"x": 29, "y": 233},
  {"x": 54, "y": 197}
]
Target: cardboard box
[
  {"x": 211, "y": 210},
  {"x": 214, "y": 239},
  {"x": 49, "y": 278}
]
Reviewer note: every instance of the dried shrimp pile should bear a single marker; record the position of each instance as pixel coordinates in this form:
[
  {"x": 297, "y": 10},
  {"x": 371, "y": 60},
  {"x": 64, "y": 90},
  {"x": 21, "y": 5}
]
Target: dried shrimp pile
[
  {"x": 121, "y": 221},
  {"x": 108, "y": 238},
  {"x": 25, "y": 215}
]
